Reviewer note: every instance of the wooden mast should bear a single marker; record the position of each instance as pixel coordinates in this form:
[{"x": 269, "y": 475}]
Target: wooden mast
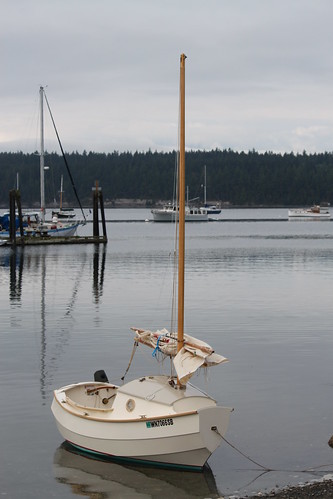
[{"x": 181, "y": 185}]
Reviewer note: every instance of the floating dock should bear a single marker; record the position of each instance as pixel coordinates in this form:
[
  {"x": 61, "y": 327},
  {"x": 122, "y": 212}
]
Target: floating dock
[
  {"x": 40, "y": 238},
  {"x": 44, "y": 241}
]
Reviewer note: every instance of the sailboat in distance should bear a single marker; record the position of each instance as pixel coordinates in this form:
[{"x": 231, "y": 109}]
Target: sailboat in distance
[
  {"x": 158, "y": 420},
  {"x": 55, "y": 228},
  {"x": 212, "y": 209},
  {"x": 63, "y": 213}
]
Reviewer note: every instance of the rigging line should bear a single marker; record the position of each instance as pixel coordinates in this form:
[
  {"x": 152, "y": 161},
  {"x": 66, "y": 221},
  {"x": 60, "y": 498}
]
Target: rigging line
[
  {"x": 176, "y": 222},
  {"x": 65, "y": 159}
]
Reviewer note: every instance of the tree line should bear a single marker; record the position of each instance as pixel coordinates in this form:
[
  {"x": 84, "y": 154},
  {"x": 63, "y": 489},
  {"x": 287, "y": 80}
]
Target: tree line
[{"x": 239, "y": 178}]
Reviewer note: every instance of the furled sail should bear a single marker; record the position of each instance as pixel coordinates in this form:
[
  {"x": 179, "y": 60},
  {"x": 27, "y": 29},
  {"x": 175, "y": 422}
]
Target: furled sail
[{"x": 194, "y": 354}]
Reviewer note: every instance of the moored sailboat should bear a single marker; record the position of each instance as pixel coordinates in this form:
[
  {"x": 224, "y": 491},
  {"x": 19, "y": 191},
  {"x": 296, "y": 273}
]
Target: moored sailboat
[
  {"x": 170, "y": 212},
  {"x": 33, "y": 225},
  {"x": 56, "y": 227},
  {"x": 34, "y": 222},
  {"x": 212, "y": 209},
  {"x": 61, "y": 212},
  {"x": 159, "y": 420}
]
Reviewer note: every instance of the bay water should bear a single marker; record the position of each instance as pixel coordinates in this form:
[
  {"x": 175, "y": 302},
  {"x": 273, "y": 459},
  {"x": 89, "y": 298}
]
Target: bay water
[{"x": 259, "y": 289}]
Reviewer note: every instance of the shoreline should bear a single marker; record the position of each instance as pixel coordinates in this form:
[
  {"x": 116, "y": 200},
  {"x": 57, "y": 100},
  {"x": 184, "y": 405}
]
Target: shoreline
[
  {"x": 322, "y": 489},
  {"x": 147, "y": 204}
]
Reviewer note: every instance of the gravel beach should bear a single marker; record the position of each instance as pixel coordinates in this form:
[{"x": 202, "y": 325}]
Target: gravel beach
[{"x": 322, "y": 490}]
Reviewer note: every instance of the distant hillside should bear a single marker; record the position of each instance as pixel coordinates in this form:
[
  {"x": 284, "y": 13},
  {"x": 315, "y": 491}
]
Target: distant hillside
[{"x": 237, "y": 178}]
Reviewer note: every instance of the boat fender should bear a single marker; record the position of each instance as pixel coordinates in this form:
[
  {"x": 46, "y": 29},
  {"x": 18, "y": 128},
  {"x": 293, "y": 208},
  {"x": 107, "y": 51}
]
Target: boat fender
[{"x": 100, "y": 376}]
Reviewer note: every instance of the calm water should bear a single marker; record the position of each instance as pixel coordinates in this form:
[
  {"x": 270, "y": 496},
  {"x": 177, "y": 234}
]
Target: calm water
[{"x": 259, "y": 291}]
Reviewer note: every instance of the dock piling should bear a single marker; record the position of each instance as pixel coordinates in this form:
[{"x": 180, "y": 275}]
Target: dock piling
[
  {"x": 98, "y": 199},
  {"x": 14, "y": 200}
]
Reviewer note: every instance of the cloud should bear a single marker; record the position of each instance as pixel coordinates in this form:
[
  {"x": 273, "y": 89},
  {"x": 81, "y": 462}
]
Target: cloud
[{"x": 256, "y": 72}]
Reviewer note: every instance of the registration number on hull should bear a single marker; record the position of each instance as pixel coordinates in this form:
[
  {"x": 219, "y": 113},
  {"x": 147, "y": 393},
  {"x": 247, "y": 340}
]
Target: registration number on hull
[{"x": 159, "y": 422}]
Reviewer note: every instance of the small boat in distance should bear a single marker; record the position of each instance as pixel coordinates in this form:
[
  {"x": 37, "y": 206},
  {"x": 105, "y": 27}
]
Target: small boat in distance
[
  {"x": 170, "y": 213},
  {"x": 315, "y": 212},
  {"x": 34, "y": 222},
  {"x": 211, "y": 209},
  {"x": 159, "y": 420},
  {"x": 63, "y": 213},
  {"x": 56, "y": 227}
]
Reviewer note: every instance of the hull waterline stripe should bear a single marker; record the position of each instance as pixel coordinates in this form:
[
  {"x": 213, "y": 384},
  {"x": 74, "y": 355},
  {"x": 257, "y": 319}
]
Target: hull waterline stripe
[{"x": 157, "y": 464}]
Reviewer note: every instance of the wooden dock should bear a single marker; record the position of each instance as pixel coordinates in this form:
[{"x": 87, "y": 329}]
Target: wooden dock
[{"x": 42, "y": 240}]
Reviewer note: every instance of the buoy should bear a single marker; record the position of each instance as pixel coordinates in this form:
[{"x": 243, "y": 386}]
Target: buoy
[{"x": 330, "y": 442}]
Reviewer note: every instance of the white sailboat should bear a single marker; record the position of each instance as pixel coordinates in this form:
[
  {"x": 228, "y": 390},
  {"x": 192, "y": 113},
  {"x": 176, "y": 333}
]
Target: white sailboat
[
  {"x": 61, "y": 212},
  {"x": 159, "y": 420},
  {"x": 55, "y": 228},
  {"x": 34, "y": 223},
  {"x": 212, "y": 209},
  {"x": 170, "y": 212}
]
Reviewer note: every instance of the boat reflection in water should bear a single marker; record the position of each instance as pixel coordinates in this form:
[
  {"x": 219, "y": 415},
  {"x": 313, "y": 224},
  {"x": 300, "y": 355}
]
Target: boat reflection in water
[{"x": 104, "y": 478}]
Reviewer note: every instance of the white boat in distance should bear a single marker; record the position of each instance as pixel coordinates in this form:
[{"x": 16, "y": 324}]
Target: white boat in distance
[
  {"x": 55, "y": 228},
  {"x": 315, "y": 212},
  {"x": 158, "y": 420},
  {"x": 212, "y": 209},
  {"x": 33, "y": 225},
  {"x": 63, "y": 213},
  {"x": 170, "y": 213},
  {"x": 33, "y": 222}
]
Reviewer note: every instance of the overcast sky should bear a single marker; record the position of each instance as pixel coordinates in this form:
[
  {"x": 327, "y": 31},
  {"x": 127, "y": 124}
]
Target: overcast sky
[{"x": 259, "y": 74}]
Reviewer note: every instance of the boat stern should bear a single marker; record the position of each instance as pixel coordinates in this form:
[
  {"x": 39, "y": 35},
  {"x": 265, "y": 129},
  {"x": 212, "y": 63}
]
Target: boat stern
[{"x": 213, "y": 424}]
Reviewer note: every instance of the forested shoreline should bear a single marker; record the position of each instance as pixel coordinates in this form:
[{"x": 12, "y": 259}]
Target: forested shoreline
[{"x": 233, "y": 178}]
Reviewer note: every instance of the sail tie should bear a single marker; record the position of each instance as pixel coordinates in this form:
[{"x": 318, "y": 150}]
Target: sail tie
[
  {"x": 157, "y": 349},
  {"x": 136, "y": 344}
]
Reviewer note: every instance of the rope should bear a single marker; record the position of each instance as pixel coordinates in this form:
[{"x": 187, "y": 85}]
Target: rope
[
  {"x": 157, "y": 349},
  {"x": 245, "y": 455},
  {"x": 266, "y": 469}
]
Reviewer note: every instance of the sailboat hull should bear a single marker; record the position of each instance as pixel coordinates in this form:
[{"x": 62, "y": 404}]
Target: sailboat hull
[
  {"x": 33, "y": 226},
  {"x": 65, "y": 231},
  {"x": 170, "y": 439}
]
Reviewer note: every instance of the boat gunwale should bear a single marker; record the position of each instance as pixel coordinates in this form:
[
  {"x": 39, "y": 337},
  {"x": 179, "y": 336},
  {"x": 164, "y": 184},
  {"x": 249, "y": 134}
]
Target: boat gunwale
[{"x": 107, "y": 420}]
